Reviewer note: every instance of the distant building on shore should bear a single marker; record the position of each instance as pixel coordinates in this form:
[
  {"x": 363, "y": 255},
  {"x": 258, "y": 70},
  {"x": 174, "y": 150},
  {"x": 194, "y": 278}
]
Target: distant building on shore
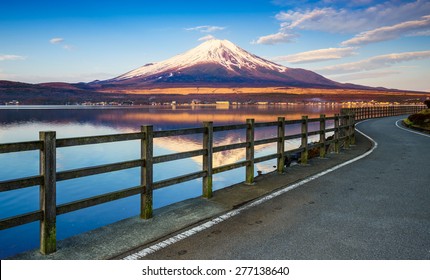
[{"x": 13, "y": 102}]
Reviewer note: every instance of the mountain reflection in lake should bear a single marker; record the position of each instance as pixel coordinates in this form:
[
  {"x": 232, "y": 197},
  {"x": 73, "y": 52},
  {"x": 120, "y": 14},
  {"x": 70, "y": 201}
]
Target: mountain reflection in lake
[{"x": 21, "y": 123}]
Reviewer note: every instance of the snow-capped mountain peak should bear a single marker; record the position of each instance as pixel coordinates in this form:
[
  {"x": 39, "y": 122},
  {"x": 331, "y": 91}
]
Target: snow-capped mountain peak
[
  {"x": 220, "y": 52},
  {"x": 216, "y": 63}
]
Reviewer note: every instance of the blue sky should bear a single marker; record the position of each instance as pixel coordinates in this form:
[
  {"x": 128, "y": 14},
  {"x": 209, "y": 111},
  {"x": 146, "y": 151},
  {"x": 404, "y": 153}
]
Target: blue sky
[{"x": 376, "y": 43}]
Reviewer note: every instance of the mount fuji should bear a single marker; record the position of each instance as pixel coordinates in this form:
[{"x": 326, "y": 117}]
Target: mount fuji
[{"x": 217, "y": 63}]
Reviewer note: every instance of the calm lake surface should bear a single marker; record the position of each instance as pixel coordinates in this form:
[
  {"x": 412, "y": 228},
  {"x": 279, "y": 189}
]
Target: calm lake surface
[{"x": 21, "y": 123}]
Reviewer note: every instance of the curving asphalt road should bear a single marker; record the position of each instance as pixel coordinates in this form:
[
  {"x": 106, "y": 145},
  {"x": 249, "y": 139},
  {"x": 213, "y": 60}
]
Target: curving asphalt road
[{"x": 375, "y": 208}]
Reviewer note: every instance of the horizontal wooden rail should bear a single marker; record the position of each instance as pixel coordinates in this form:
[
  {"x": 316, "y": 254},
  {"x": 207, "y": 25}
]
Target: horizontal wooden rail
[
  {"x": 21, "y": 219},
  {"x": 20, "y": 147},
  {"x": 229, "y": 127},
  {"x": 228, "y": 167},
  {"x": 266, "y": 158},
  {"x": 266, "y": 141},
  {"x": 100, "y": 169},
  {"x": 20, "y": 183},
  {"x": 265, "y": 124},
  {"x": 294, "y": 136},
  {"x": 179, "y": 179},
  {"x": 96, "y": 200},
  {"x": 289, "y": 122},
  {"x": 178, "y": 132},
  {"x": 230, "y": 147},
  {"x": 90, "y": 140},
  {"x": 178, "y": 156},
  {"x": 310, "y": 120}
]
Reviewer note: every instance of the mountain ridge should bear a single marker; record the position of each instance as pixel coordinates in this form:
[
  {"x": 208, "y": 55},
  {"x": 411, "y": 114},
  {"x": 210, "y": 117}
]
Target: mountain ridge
[{"x": 218, "y": 62}]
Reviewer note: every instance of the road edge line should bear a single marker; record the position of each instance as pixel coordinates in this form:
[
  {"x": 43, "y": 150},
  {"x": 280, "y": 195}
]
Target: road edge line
[
  {"x": 187, "y": 233},
  {"x": 410, "y": 130}
]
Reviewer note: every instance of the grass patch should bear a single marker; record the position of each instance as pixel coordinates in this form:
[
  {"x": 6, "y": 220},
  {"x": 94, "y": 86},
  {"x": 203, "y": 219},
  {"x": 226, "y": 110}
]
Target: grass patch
[{"x": 419, "y": 120}]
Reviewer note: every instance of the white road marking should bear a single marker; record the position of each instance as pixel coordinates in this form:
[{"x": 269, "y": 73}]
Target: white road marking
[
  {"x": 153, "y": 248},
  {"x": 413, "y": 131}
]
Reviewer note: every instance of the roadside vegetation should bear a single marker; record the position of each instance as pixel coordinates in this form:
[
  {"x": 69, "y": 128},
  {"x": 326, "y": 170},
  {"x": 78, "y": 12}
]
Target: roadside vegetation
[{"x": 420, "y": 120}]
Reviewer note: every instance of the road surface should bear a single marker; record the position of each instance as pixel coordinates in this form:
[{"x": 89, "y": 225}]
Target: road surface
[{"x": 377, "y": 207}]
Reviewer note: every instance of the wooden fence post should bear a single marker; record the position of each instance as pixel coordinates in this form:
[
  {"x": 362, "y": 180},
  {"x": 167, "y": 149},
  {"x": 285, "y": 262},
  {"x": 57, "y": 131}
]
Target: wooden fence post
[
  {"x": 146, "y": 172},
  {"x": 281, "y": 144},
  {"x": 336, "y": 133},
  {"x": 352, "y": 127},
  {"x": 208, "y": 159},
  {"x": 322, "y": 135},
  {"x": 346, "y": 131},
  {"x": 48, "y": 227},
  {"x": 304, "y": 155},
  {"x": 250, "y": 152}
]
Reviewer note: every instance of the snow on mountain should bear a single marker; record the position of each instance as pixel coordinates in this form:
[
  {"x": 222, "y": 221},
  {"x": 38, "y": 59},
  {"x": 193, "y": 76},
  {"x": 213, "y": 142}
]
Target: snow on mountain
[
  {"x": 217, "y": 63},
  {"x": 221, "y": 52}
]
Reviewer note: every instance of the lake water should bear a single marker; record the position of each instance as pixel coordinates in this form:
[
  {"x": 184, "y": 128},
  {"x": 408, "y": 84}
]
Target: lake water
[{"x": 22, "y": 123}]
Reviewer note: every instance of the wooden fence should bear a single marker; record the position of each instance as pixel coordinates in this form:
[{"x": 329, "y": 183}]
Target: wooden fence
[
  {"x": 362, "y": 113},
  {"x": 47, "y": 144}
]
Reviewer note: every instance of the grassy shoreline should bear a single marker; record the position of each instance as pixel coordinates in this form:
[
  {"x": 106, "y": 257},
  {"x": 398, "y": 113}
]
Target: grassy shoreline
[{"x": 419, "y": 121}]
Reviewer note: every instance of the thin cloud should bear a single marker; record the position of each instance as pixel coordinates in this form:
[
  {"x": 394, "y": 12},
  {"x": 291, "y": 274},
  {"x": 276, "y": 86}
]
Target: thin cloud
[
  {"x": 61, "y": 42},
  {"x": 300, "y": 19},
  {"x": 206, "y": 28},
  {"x": 56, "y": 41},
  {"x": 419, "y": 33},
  {"x": 68, "y": 47},
  {"x": 365, "y": 75},
  {"x": 11, "y": 57},
  {"x": 376, "y": 62},
  {"x": 276, "y": 38},
  {"x": 7, "y": 76},
  {"x": 206, "y": 38},
  {"x": 389, "y": 32},
  {"x": 317, "y": 55}
]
